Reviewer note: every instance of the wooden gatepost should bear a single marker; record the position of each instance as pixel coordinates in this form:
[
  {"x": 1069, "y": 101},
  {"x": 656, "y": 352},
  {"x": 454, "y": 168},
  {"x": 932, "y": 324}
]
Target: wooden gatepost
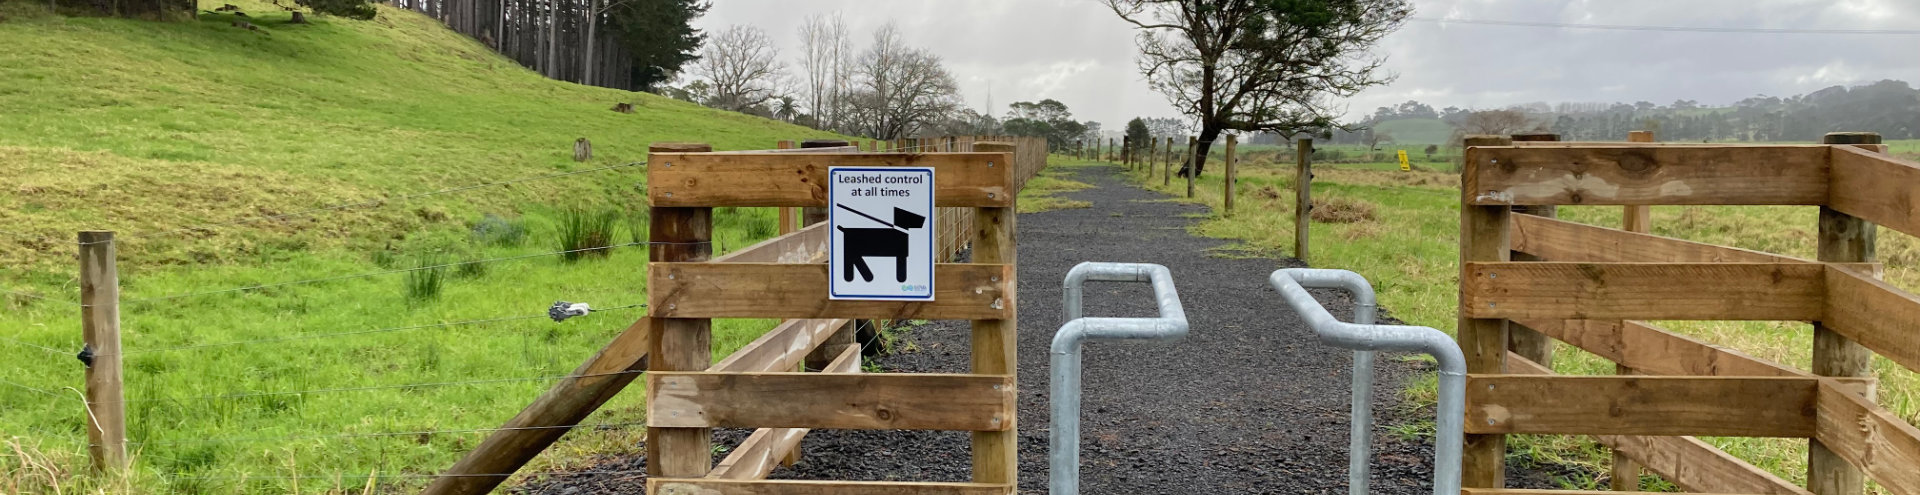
[
  {"x": 762, "y": 386},
  {"x": 1594, "y": 288}
]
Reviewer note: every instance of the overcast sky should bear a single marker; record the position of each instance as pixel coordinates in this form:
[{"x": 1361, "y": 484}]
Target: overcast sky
[{"x": 1077, "y": 52}]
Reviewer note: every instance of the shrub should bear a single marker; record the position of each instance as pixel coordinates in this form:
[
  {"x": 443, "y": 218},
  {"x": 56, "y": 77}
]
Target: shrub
[{"x": 584, "y": 232}]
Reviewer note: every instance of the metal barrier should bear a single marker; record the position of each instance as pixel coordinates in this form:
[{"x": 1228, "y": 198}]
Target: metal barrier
[
  {"x": 1366, "y": 337},
  {"x": 1064, "y": 432}
]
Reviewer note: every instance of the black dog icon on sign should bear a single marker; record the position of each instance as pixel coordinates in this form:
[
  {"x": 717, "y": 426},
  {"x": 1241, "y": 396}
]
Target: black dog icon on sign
[{"x": 889, "y": 242}]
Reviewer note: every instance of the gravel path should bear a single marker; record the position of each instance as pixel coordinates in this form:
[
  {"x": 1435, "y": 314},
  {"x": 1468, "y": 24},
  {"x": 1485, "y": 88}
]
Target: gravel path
[{"x": 1249, "y": 403}]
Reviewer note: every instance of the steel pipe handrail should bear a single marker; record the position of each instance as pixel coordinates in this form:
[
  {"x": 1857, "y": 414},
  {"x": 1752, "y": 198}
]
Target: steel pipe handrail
[
  {"x": 1063, "y": 434},
  {"x": 1367, "y": 337}
]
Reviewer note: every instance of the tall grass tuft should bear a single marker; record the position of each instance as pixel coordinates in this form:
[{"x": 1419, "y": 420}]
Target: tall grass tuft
[
  {"x": 585, "y": 232},
  {"x": 427, "y": 278}
]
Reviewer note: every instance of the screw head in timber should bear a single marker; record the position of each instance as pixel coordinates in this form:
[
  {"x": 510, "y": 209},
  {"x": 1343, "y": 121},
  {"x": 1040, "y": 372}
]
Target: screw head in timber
[
  {"x": 989, "y": 164},
  {"x": 990, "y": 195}
]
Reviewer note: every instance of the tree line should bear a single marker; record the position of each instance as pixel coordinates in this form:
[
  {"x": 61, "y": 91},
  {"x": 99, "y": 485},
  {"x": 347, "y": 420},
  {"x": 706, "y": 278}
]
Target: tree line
[
  {"x": 625, "y": 44},
  {"x": 1888, "y": 107}
]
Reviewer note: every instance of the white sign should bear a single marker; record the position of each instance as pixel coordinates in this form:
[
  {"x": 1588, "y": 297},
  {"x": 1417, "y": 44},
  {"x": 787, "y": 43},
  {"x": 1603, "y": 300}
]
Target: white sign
[{"x": 881, "y": 241}]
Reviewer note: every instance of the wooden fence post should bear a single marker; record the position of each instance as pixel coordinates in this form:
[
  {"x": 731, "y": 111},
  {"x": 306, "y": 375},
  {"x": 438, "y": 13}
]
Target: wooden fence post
[
  {"x": 786, "y": 212},
  {"x": 681, "y": 234},
  {"x": 100, "y": 321},
  {"x": 995, "y": 453},
  {"x": 1153, "y": 155},
  {"x": 1483, "y": 237},
  {"x": 1302, "y": 196},
  {"x": 1166, "y": 166},
  {"x": 1193, "y": 168},
  {"x": 1227, "y": 201},
  {"x": 1633, "y": 218},
  {"x": 1638, "y": 218},
  {"x": 1849, "y": 239},
  {"x": 1126, "y": 151}
]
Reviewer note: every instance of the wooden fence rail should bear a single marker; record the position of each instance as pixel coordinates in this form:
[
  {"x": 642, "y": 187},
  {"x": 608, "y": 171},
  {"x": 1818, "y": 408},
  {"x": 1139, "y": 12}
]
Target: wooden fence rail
[{"x": 1590, "y": 287}]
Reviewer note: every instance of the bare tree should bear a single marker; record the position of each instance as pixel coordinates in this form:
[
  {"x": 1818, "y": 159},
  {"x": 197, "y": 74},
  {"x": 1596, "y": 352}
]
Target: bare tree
[
  {"x": 743, "y": 68},
  {"x": 899, "y": 90},
  {"x": 1259, "y": 65},
  {"x": 824, "y": 40}
]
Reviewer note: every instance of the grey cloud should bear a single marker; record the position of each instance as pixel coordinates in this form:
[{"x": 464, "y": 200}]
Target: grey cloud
[{"x": 1077, "y": 52}]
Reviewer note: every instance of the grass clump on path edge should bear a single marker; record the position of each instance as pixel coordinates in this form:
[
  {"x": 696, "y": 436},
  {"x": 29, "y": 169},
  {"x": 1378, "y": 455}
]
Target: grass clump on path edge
[
  {"x": 215, "y": 153},
  {"x": 1410, "y": 252}
]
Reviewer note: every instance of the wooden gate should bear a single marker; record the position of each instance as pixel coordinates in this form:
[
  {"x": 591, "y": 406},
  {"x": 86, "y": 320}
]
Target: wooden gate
[
  {"x": 686, "y": 398},
  {"x": 1589, "y": 286}
]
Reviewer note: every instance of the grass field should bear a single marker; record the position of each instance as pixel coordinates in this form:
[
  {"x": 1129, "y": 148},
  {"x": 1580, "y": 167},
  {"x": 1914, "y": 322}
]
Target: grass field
[
  {"x": 192, "y": 139},
  {"x": 1405, "y": 242}
]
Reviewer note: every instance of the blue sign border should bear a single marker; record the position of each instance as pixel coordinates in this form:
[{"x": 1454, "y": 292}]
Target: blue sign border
[{"x": 932, "y": 227}]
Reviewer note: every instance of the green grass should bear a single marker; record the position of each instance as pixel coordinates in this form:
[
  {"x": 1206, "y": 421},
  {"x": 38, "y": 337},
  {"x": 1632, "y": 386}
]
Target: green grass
[
  {"x": 146, "y": 128},
  {"x": 1410, "y": 253},
  {"x": 1041, "y": 192}
]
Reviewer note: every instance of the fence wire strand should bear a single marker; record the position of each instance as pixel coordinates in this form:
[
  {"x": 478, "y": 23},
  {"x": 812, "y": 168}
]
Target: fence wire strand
[
  {"x": 399, "y": 270},
  {"x": 31, "y": 389},
  {"x": 488, "y": 381},
  {"x": 376, "y": 476},
  {"x": 374, "y": 202},
  {"x": 481, "y": 321},
  {"x": 42, "y": 348},
  {"x": 199, "y": 441}
]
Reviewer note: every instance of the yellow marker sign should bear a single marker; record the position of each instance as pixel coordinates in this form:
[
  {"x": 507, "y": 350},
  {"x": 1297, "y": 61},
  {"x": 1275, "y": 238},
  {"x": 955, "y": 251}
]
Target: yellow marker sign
[{"x": 1403, "y": 162}]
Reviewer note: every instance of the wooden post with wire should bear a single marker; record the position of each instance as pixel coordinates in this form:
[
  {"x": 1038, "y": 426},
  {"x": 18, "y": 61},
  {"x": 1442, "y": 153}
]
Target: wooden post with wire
[
  {"x": 1843, "y": 239},
  {"x": 1193, "y": 167},
  {"x": 1302, "y": 196},
  {"x": 1166, "y": 166},
  {"x": 680, "y": 234},
  {"x": 1227, "y": 200},
  {"x": 106, "y": 406}
]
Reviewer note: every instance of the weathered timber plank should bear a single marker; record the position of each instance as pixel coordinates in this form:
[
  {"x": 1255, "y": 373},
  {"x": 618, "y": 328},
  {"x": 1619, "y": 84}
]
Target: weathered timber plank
[
  {"x": 762, "y": 451},
  {"x": 800, "y": 179},
  {"x": 1881, "y": 444},
  {"x": 1561, "y": 240},
  {"x": 774, "y": 290},
  {"x": 1647, "y": 175},
  {"x": 672, "y": 486},
  {"x": 1873, "y": 313},
  {"x": 782, "y": 348},
  {"x": 1655, "y": 351},
  {"x": 1879, "y": 188},
  {"x": 1649, "y": 291},
  {"x": 1641, "y": 405},
  {"x": 1484, "y": 236},
  {"x": 917, "y": 401},
  {"x": 807, "y": 245},
  {"x": 1687, "y": 462}
]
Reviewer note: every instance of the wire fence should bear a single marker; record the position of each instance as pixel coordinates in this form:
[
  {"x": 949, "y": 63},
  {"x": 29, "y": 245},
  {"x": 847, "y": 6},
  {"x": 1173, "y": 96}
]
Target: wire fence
[{"x": 148, "y": 396}]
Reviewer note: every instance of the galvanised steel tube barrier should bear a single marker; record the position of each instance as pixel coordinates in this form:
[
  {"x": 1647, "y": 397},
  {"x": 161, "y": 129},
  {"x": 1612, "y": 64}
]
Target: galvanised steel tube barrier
[
  {"x": 1292, "y": 284},
  {"x": 1064, "y": 432}
]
